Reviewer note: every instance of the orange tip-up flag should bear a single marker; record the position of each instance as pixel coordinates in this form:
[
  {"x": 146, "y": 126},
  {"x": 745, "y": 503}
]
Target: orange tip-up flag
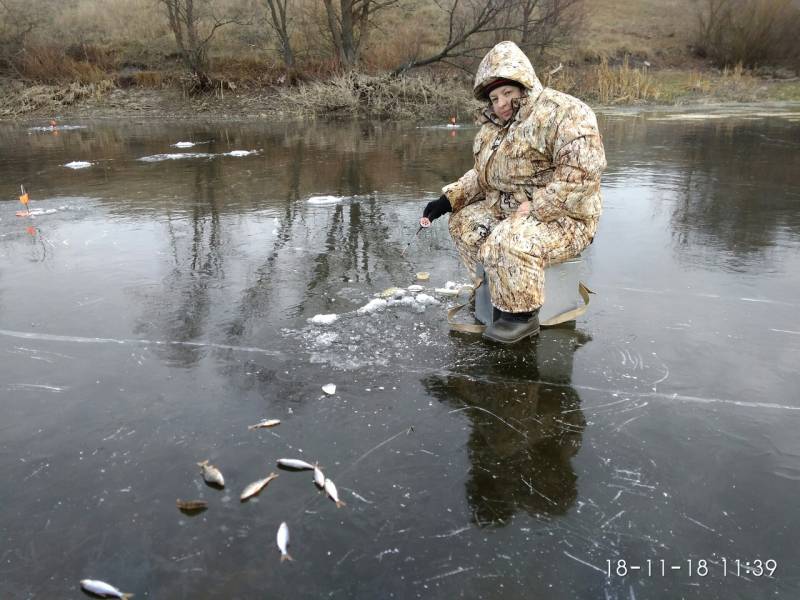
[{"x": 24, "y": 199}]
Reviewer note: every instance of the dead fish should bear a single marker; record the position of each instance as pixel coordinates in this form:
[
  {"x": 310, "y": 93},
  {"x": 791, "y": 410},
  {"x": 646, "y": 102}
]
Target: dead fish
[
  {"x": 254, "y": 488},
  {"x": 330, "y": 489},
  {"x": 101, "y": 588},
  {"x": 294, "y": 463},
  {"x": 191, "y": 506},
  {"x": 265, "y": 423},
  {"x": 283, "y": 541},
  {"x": 211, "y": 474},
  {"x": 319, "y": 478}
]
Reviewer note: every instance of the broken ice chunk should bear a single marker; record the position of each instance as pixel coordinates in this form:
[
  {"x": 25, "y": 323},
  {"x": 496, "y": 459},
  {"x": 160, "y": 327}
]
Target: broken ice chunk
[
  {"x": 323, "y": 319},
  {"x": 372, "y": 306}
]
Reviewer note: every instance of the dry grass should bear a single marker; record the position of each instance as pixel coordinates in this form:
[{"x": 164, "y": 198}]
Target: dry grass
[
  {"x": 606, "y": 84},
  {"x": 731, "y": 84},
  {"x": 623, "y": 84},
  {"x": 50, "y": 98},
  {"x": 50, "y": 64}
]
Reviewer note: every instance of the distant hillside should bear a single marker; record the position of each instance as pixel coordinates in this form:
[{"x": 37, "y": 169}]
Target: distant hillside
[{"x": 659, "y": 31}]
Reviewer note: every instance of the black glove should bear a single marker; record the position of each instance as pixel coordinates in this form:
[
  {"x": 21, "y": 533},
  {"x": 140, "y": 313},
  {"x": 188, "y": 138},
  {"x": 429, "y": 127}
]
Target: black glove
[{"x": 436, "y": 208}]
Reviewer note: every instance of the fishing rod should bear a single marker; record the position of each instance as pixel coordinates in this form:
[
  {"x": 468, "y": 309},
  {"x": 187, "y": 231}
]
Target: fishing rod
[{"x": 421, "y": 227}]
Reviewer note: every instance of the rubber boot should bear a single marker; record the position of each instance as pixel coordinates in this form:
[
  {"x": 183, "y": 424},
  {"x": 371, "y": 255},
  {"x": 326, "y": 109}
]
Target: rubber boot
[{"x": 513, "y": 327}]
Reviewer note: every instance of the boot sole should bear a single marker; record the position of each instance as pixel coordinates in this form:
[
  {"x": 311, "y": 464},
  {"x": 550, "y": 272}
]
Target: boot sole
[{"x": 507, "y": 341}]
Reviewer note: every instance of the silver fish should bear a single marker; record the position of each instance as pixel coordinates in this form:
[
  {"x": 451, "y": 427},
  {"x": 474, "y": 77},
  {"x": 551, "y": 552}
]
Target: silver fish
[
  {"x": 254, "y": 488},
  {"x": 319, "y": 478},
  {"x": 101, "y": 588},
  {"x": 333, "y": 493},
  {"x": 283, "y": 541},
  {"x": 211, "y": 473},
  {"x": 294, "y": 463},
  {"x": 265, "y": 423}
]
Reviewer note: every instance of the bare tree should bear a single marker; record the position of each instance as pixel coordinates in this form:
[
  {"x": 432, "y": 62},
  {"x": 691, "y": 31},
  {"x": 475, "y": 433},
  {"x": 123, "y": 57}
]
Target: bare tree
[
  {"x": 750, "y": 32},
  {"x": 18, "y": 19},
  {"x": 279, "y": 23},
  {"x": 185, "y": 17},
  {"x": 468, "y": 20},
  {"x": 546, "y": 23},
  {"x": 350, "y": 26}
]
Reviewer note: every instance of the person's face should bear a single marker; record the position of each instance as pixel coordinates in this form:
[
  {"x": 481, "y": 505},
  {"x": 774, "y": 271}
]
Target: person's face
[{"x": 501, "y": 98}]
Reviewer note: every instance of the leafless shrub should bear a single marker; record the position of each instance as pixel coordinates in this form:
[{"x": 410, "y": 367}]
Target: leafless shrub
[
  {"x": 750, "y": 32},
  {"x": 351, "y": 93}
]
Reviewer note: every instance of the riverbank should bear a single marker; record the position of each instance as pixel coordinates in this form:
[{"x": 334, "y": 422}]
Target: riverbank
[{"x": 409, "y": 98}]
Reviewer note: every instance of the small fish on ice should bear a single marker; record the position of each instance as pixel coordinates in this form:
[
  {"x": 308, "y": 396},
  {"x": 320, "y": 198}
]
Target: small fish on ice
[
  {"x": 319, "y": 477},
  {"x": 333, "y": 493},
  {"x": 255, "y": 488},
  {"x": 294, "y": 463},
  {"x": 191, "y": 506},
  {"x": 265, "y": 423},
  {"x": 78, "y": 164},
  {"x": 211, "y": 474},
  {"x": 101, "y": 588},
  {"x": 283, "y": 541}
]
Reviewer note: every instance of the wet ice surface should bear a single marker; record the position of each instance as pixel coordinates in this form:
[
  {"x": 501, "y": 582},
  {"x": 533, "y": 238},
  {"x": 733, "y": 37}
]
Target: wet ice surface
[{"x": 152, "y": 312}]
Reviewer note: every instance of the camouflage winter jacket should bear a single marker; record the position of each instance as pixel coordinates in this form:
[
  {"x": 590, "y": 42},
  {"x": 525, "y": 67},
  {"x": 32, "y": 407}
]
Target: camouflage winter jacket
[{"x": 550, "y": 152}]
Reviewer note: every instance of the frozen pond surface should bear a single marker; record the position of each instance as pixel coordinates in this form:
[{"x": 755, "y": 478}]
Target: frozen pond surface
[{"x": 151, "y": 310}]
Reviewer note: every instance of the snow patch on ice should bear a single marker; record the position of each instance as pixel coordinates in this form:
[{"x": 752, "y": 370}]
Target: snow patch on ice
[
  {"x": 323, "y": 319},
  {"x": 326, "y": 339},
  {"x": 57, "y": 128},
  {"x": 425, "y": 299},
  {"x": 187, "y": 144},
  {"x": 372, "y": 306},
  {"x": 322, "y": 200},
  {"x": 175, "y": 156},
  {"x": 78, "y": 164},
  {"x": 240, "y": 153}
]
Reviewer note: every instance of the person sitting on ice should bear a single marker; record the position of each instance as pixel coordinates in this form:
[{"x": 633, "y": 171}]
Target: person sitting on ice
[{"x": 533, "y": 196}]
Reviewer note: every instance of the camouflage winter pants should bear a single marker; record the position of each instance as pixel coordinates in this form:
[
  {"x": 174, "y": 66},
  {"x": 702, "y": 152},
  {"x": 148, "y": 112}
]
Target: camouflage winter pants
[{"x": 516, "y": 250}]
